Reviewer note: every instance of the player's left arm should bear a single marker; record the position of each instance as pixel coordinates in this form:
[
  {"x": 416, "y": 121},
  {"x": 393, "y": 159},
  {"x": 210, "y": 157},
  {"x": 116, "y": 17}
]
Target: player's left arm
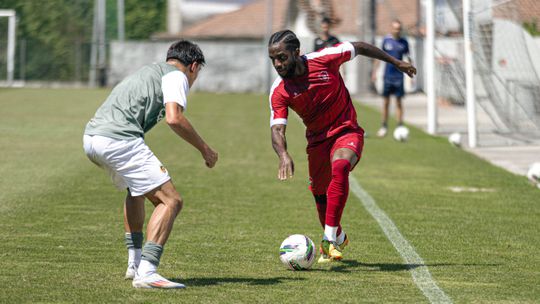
[
  {"x": 182, "y": 127},
  {"x": 368, "y": 50}
]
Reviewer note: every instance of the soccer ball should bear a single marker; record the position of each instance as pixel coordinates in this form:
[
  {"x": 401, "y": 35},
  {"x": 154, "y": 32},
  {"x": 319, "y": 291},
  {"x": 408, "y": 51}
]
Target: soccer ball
[
  {"x": 401, "y": 133},
  {"x": 297, "y": 252},
  {"x": 534, "y": 174},
  {"x": 455, "y": 139}
]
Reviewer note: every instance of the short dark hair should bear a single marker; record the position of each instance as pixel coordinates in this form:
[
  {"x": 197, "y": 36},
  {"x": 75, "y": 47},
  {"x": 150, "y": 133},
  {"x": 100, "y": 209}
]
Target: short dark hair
[
  {"x": 186, "y": 52},
  {"x": 286, "y": 36},
  {"x": 326, "y": 20}
]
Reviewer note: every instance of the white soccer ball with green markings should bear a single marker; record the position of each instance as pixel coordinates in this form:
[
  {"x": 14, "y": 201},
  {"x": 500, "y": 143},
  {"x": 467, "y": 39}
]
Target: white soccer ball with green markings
[
  {"x": 401, "y": 133},
  {"x": 534, "y": 174},
  {"x": 297, "y": 252}
]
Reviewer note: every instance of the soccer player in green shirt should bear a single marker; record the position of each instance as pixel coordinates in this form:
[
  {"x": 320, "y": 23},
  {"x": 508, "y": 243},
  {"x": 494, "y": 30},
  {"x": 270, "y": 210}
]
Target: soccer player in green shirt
[{"x": 114, "y": 140}]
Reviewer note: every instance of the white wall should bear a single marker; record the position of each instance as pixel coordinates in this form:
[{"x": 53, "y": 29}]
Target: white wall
[
  {"x": 237, "y": 66},
  {"x": 231, "y": 66}
]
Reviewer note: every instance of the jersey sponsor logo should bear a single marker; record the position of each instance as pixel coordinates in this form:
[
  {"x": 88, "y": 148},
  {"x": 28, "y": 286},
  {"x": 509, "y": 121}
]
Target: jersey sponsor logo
[{"x": 324, "y": 76}]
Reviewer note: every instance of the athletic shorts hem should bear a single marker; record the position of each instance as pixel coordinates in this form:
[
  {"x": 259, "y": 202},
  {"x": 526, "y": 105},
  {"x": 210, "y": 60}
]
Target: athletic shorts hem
[
  {"x": 139, "y": 192},
  {"x": 130, "y": 163},
  {"x": 393, "y": 88},
  {"x": 320, "y": 158}
]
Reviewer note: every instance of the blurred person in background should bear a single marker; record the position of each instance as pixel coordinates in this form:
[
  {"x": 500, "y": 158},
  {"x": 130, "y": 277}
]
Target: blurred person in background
[
  {"x": 114, "y": 140},
  {"x": 325, "y": 39},
  {"x": 396, "y": 46}
]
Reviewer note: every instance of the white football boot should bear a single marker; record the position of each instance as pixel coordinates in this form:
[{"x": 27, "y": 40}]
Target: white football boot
[
  {"x": 131, "y": 271},
  {"x": 154, "y": 280},
  {"x": 382, "y": 132}
]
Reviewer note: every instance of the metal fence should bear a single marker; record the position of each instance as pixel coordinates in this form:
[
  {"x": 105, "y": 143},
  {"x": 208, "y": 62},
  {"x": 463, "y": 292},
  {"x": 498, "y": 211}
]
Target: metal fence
[{"x": 33, "y": 62}]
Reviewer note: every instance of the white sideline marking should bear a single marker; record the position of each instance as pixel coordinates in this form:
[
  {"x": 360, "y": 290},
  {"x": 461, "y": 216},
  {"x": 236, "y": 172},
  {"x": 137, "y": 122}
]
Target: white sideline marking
[
  {"x": 419, "y": 271},
  {"x": 470, "y": 189}
]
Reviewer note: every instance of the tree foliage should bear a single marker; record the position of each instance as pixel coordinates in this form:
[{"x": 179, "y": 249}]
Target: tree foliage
[
  {"x": 57, "y": 34},
  {"x": 143, "y": 18},
  {"x": 532, "y": 27}
]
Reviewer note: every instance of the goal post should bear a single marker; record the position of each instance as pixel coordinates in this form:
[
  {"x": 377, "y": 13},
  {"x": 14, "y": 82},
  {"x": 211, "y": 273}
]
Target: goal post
[
  {"x": 429, "y": 49},
  {"x": 469, "y": 74},
  {"x": 10, "y": 14}
]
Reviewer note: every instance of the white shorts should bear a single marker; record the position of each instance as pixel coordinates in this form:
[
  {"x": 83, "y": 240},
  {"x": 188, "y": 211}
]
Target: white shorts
[{"x": 130, "y": 163}]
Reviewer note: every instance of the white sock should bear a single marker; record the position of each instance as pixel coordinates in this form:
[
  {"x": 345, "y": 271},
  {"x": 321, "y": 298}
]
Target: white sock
[
  {"x": 330, "y": 233},
  {"x": 341, "y": 238},
  {"x": 146, "y": 268},
  {"x": 134, "y": 256}
]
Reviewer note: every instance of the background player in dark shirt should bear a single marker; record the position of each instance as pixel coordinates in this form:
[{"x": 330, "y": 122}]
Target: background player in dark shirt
[
  {"x": 312, "y": 86},
  {"x": 325, "y": 39}
]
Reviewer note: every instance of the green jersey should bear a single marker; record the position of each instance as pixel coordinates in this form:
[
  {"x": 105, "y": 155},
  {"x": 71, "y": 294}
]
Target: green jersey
[{"x": 137, "y": 103}]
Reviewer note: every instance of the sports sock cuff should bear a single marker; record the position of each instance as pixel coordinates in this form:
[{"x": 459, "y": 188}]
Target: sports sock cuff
[
  {"x": 134, "y": 240},
  {"x": 152, "y": 252},
  {"x": 330, "y": 232}
]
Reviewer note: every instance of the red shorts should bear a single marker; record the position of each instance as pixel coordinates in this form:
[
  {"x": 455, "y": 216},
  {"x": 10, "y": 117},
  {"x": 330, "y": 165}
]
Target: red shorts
[{"x": 320, "y": 158}]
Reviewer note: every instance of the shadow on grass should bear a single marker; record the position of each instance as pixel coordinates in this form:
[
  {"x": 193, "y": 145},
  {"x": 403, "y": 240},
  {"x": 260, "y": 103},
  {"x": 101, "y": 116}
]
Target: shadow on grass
[
  {"x": 220, "y": 281},
  {"x": 347, "y": 265}
]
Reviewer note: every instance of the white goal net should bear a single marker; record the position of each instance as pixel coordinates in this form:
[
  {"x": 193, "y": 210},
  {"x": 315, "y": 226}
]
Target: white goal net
[{"x": 506, "y": 54}]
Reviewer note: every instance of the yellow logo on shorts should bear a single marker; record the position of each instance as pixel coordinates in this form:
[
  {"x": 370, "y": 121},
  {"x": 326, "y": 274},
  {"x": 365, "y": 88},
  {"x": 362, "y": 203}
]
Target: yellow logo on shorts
[{"x": 163, "y": 169}]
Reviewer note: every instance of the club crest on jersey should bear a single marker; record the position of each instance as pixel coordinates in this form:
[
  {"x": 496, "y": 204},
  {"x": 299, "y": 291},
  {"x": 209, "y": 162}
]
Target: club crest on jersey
[
  {"x": 163, "y": 169},
  {"x": 324, "y": 76}
]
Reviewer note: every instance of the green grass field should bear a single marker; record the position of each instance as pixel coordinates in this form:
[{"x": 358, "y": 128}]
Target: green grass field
[{"x": 62, "y": 232}]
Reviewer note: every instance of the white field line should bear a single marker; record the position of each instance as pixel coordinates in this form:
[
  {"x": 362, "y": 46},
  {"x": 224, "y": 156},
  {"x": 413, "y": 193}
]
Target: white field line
[{"x": 419, "y": 271}]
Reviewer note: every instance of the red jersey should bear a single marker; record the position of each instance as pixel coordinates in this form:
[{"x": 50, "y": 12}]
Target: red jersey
[{"x": 319, "y": 97}]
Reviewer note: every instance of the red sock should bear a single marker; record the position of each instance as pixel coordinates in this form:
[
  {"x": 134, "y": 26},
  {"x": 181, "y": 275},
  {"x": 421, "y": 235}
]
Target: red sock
[
  {"x": 320, "y": 202},
  {"x": 337, "y": 192}
]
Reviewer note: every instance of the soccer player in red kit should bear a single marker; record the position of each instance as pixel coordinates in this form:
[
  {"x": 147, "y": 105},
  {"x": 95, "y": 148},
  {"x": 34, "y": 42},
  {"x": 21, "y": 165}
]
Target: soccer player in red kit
[{"x": 312, "y": 86}]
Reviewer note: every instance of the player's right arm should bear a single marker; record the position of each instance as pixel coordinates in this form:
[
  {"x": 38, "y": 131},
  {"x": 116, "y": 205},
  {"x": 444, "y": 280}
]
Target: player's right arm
[
  {"x": 279, "y": 110},
  {"x": 183, "y": 128},
  {"x": 279, "y": 143}
]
